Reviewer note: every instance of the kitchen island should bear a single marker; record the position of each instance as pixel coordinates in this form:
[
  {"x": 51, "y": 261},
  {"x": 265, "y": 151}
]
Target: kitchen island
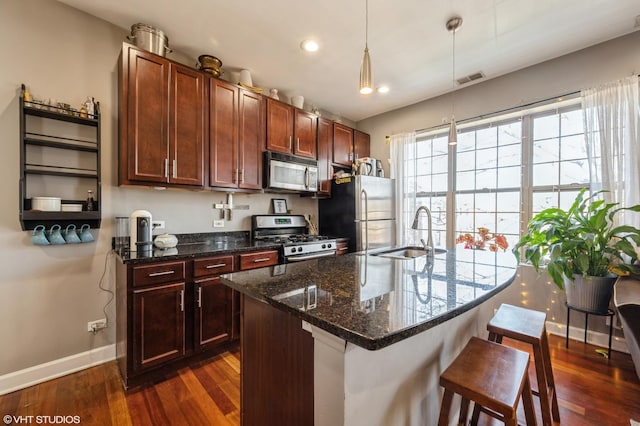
[{"x": 361, "y": 339}]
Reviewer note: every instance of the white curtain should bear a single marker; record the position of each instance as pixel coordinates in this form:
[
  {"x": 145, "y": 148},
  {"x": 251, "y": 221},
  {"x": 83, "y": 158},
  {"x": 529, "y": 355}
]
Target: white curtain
[
  {"x": 403, "y": 166},
  {"x": 612, "y": 133}
]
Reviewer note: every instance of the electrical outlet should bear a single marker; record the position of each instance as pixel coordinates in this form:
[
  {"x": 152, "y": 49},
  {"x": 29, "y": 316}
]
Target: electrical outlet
[
  {"x": 157, "y": 224},
  {"x": 218, "y": 223},
  {"x": 94, "y": 326}
]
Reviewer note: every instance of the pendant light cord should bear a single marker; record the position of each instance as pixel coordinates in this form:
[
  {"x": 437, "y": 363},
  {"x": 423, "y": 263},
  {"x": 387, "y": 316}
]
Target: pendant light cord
[
  {"x": 366, "y": 23},
  {"x": 453, "y": 76}
]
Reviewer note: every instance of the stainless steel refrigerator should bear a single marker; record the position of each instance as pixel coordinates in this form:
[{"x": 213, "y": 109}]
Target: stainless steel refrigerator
[{"x": 361, "y": 208}]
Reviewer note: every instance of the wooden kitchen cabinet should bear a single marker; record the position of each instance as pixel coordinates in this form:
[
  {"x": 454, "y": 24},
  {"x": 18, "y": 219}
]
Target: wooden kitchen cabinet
[
  {"x": 236, "y": 136},
  {"x": 213, "y": 303},
  {"x": 342, "y": 145},
  {"x": 325, "y": 153},
  {"x": 258, "y": 259},
  {"x": 290, "y": 130},
  {"x": 158, "y": 324},
  {"x": 361, "y": 144},
  {"x": 161, "y": 121},
  {"x": 342, "y": 247}
]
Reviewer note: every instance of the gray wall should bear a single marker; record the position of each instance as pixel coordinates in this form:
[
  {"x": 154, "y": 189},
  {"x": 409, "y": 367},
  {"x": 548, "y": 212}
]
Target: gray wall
[
  {"x": 598, "y": 64},
  {"x": 50, "y": 293}
]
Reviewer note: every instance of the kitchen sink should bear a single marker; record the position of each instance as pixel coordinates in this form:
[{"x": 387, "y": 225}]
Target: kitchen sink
[{"x": 407, "y": 252}]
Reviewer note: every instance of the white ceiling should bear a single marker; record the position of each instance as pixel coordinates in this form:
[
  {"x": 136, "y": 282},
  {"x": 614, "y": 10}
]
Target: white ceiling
[{"x": 411, "y": 50}]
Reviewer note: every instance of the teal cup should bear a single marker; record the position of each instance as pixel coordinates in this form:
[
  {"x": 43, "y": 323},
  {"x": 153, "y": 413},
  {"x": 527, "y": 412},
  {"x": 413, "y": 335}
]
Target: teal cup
[
  {"x": 38, "y": 237},
  {"x": 71, "y": 235},
  {"x": 55, "y": 235},
  {"x": 85, "y": 234}
]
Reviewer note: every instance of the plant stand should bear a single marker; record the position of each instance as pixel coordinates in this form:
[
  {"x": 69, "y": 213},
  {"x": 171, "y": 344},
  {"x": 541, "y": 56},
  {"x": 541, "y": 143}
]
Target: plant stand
[{"x": 609, "y": 314}]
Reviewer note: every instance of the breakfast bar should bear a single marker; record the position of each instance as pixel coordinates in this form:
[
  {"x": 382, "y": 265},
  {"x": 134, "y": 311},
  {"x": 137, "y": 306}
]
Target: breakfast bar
[{"x": 361, "y": 338}]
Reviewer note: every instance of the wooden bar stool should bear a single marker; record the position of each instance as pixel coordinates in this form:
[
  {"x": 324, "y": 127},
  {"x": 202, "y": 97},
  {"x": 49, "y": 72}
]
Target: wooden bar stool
[
  {"x": 494, "y": 377},
  {"x": 528, "y": 326}
]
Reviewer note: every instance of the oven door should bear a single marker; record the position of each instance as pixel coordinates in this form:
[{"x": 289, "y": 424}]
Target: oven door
[{"x": 302, "y": 257}]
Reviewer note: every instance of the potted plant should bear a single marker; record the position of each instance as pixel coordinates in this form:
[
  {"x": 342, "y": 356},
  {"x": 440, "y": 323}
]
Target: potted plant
[{"x": 582, "y": 250}]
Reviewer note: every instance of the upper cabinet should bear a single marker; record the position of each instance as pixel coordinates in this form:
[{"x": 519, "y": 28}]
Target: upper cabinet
[
  {"x": 236, "y": 136},
  {"x": 325, "y": 153},
  {"x": 290, "y": 130},
  {"x": 361, "y": 142},
  {"x": 161, "y": 121},
  {"x": 342, "y": 144}
]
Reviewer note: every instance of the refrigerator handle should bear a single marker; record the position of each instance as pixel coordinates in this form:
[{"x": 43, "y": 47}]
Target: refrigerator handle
[{"x": 366, "y": 218}]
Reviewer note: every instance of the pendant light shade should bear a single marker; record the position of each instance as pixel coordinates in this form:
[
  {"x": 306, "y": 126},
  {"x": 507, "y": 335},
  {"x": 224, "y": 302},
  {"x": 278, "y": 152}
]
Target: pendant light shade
[
  {"x": 366, "y": 79},
  {"x": 453, "y": 132},
  {"x": 453, "y": 25},
  {"x": 366, "y": 76}
]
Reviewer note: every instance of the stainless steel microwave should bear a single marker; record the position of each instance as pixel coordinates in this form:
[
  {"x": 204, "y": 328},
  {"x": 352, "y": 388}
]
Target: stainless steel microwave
[{"x": 286, "y": 172}]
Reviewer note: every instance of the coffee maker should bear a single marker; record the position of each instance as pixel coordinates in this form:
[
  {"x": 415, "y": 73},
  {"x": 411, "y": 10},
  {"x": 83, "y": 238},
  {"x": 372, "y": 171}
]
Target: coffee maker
[{"x": 140, "y": 224}]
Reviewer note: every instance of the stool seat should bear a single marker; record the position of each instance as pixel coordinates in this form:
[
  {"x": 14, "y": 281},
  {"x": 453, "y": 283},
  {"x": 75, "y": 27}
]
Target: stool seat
[
  {"x": 491, "y": 375},
  {"x": 528, "y": 326}
]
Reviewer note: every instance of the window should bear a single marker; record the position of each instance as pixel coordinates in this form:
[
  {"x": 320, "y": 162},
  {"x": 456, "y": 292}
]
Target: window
[{"x": 502, "y": 173}]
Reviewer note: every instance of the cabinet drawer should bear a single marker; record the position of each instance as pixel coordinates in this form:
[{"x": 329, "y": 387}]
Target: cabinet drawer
[
  {"x": 258, "y": 259},
  {"x": 212, "y": 266},
  {"x": 158, "y": 273},
  {"x": 342, "y": 248}
]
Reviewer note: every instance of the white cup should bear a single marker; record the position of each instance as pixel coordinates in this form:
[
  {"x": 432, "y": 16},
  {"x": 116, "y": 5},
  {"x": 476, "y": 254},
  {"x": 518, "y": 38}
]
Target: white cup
[
  {"x": 297, "y": 101},
  {"x": 245, "y": 78}
]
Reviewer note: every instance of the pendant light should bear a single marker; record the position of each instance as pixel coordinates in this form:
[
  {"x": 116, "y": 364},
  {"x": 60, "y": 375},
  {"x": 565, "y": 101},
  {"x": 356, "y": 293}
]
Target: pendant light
[
  {"x": 366, "y": 78},
  {"x": 453, "y": 25}
]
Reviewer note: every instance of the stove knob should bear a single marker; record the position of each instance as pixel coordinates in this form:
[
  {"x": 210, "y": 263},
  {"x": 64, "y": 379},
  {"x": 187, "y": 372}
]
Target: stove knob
[
  {"x": 299, "y": 249},
  {"x": 328, "y": 245},
  {"x": 293, "y": 250},
  {"x": 325, "y": 246}
]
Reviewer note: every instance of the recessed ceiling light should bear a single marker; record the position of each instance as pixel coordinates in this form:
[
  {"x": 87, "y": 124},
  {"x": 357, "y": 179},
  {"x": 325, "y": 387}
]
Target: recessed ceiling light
[
  {"x": 309, "y": 45},
  {"x": 383, "y": 89}
]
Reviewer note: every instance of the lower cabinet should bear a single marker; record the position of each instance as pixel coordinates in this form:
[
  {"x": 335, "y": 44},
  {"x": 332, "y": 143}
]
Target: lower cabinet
[
  {"x": 171, "y": 313},
  {"x": 158, "y": 325}
]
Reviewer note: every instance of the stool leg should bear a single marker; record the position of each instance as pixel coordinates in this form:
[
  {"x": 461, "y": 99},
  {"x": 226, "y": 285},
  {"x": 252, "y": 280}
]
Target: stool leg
[
  {"x": 464, "y": 411},
  {"x": 586, "y": 326},
  {"x": 476, "y": 413},
  {"x": 550, "y": 380},
  {"x": 445, "y": 408},
  {"x": 527, "y": 402},
  {"x": 566, "y": 342},
  {"x": 543, "y": 390},
  {"x": 610, "y": 333}
]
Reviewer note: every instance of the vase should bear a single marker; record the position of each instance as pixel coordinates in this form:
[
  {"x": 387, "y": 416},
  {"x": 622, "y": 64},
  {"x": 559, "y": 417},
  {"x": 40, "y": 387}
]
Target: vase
[
  {"x": 273, "y": 93},
  {"x": 591, "y": 294}
]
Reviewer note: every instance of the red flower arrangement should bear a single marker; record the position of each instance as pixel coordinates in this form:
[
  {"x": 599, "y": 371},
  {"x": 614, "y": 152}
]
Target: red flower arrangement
[{"x": 494, "y": 241}]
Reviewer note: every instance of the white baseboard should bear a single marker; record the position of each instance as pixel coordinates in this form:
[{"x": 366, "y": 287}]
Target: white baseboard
[
  {"x": 60, "y": 367},
  {"x": 593, "y": 337}
]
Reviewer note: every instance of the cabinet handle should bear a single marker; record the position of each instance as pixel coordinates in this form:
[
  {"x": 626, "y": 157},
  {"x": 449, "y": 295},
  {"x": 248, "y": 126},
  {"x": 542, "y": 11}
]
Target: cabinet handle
[
  {"x": 175, "y": 169},
  {"x": 343, "y": 248},
  {"x": 199, "y": 297},
  {"x": 181, "y": 300},
  {"x": 158, "y": 274},
  {"x": 262, "y": 259},
  {"x": 290, "y": 141},
  {"x": 297, "y": 143},
  {"x": 237, "y": 176},
  {"x": 166, "y": 168},
  {"x": 217, "y": 265},
  {"x": 242, "y": 174}
]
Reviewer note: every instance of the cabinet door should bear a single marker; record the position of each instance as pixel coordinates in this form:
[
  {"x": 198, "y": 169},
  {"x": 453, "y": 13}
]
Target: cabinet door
[
  {"x": 251, "y": 139},
  {"x": 360, "y": 144},
  {"x": 279, "y": 126},
  {"x": 147, "y": 95},
  {"x": 305, "y": 134},
  {"x": 325, "y": 149},
  {"x": 342, "y": 144},
  {"x": 186, "y": 131},
  {"x": 213, "y": 310},
  {"x": 158, "y": 325},
  {"x": 223, "y": 134}
]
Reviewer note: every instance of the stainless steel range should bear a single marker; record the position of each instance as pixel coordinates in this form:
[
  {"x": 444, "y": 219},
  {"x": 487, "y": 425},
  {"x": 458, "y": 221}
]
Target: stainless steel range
[{"x": 292, "y": 232}]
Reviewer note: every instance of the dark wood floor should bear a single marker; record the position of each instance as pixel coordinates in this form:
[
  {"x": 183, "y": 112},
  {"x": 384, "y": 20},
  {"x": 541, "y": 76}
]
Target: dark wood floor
[{"x": 591, "y": 391}]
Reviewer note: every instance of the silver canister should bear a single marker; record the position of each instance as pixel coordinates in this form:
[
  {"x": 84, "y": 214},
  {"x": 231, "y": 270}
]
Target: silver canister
[{"x": 149, "y": 38}]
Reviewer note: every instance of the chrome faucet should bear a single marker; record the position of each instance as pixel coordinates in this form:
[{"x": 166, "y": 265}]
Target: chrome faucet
[{"x": 428, "y": 246}]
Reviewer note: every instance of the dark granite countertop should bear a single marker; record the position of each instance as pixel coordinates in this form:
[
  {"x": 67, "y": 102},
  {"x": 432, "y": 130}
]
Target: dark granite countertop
[
  {"x": 198, "y": 245},
  {"x": 374, "y": 301}
]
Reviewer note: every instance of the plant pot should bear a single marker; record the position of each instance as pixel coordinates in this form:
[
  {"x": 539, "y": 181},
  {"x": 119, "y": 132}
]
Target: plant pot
[{"x": 591, "y": 294}]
